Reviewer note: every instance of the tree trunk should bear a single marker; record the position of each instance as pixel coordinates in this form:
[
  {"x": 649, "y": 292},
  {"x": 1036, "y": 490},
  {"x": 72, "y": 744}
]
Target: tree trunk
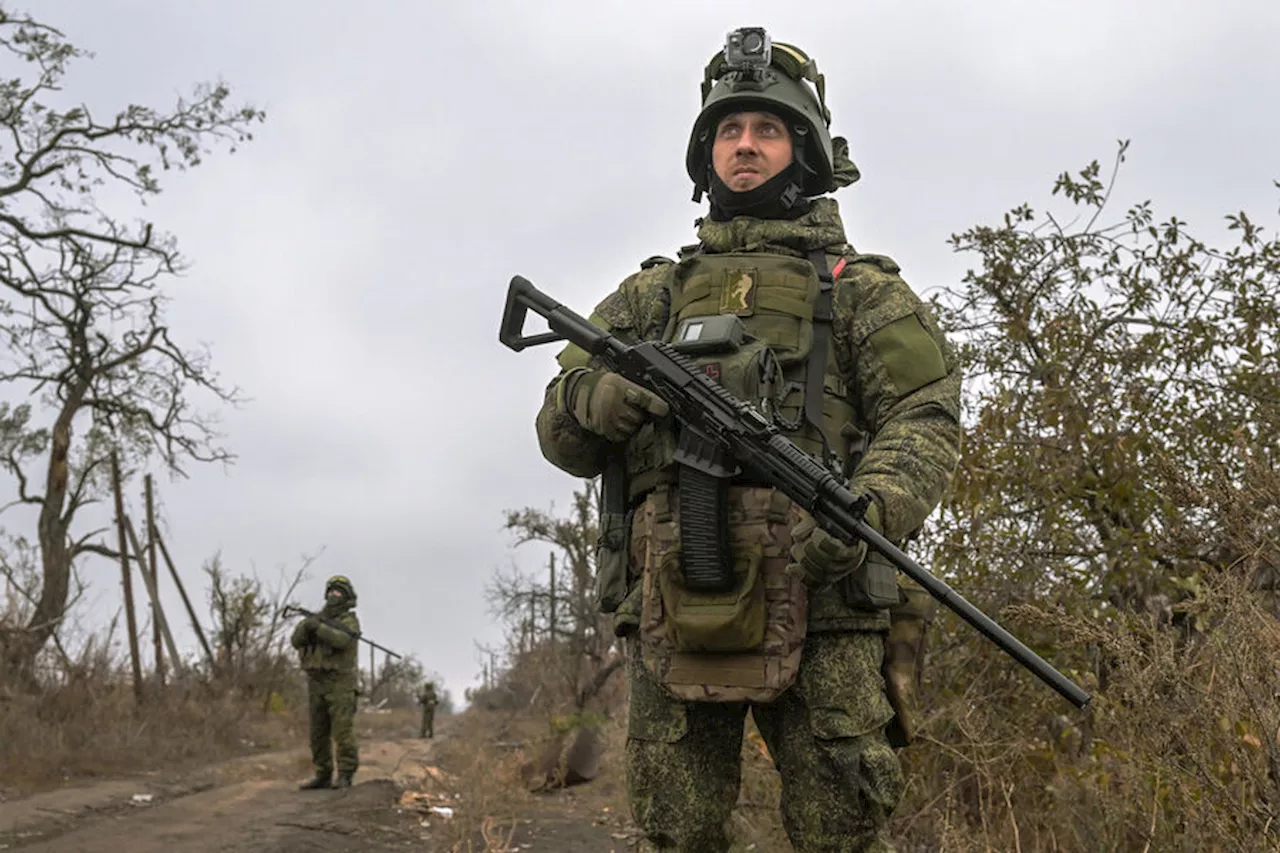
[{"x": 55, "y": 551}]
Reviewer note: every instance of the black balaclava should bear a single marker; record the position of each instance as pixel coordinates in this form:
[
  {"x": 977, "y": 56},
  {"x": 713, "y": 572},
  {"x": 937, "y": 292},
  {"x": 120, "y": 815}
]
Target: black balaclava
[{"x": 780, "y": 197}]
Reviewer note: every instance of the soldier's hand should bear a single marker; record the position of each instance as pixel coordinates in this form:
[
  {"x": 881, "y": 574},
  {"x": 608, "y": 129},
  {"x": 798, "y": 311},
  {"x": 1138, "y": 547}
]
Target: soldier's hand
[
  {"x": 613, "y": 406},
  {"x": 819, "y": 557}
]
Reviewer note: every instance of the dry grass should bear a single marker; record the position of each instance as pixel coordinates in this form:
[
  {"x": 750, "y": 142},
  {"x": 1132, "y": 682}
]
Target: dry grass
[
  {"x": 1179, "y": 752},
  {"x": 88, "y": 729},
  {"x": 483, "y": 785}
]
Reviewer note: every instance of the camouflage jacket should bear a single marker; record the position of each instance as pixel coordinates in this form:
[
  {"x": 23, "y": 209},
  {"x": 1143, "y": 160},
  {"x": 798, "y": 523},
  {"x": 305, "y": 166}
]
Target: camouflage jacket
[
  {"x": 913, "y": 429},
  {"x": 324, "y": 649}
]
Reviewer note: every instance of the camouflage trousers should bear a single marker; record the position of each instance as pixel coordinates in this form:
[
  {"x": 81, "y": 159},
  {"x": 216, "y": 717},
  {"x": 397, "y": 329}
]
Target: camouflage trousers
[
  {"x": 331, "y": 701},
  {"x": 840, "y": 778},
  {"x": 428, "y": 722}
]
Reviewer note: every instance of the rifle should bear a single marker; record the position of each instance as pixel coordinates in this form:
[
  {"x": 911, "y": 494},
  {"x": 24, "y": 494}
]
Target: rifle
[
  {"x": 293, "y": 609},
  {"x": 735, "y": 434}
]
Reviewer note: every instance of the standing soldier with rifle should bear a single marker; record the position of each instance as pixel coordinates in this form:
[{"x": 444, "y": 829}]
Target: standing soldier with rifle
[
  {"x": 428, "y": 700},
  {"x": 327, "y": 643},
  {"x": 730, "y": 595}
]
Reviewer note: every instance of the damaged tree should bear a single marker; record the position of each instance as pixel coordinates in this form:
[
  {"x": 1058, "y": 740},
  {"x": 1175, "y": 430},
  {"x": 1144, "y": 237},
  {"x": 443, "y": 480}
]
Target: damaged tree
[{"x": 82, "y": 310}]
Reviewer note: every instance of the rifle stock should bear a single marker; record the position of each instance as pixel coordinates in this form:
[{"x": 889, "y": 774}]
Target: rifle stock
[{"x": 755, "y": 443}]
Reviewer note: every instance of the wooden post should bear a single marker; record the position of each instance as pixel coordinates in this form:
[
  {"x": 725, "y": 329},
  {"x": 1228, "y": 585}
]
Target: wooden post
[
  {"x": 126, "y": 579},
  {"x": 373, "y": 670},
  {"x": 155, "y": 597},
  {"x": 533, "y": 618},
  {"x": 195, "y": 622},
  {"x": 150, "y": 567},
  {"x": 551, "y": 605}
]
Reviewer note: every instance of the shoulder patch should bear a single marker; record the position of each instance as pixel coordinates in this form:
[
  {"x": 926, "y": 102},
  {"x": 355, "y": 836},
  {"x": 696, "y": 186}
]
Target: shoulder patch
[
  {"x": 654, "y": 261},
  {"x": 884, "y": 262}
]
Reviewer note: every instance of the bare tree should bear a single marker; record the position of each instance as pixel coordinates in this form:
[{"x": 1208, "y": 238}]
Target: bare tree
[
  {"x": 248, "y": 629},
  {"x": 81, "y": 309},
  {"x": 578, "y": 644}
]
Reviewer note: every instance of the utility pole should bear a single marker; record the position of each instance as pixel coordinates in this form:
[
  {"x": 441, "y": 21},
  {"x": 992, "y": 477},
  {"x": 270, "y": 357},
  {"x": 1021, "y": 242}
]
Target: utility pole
[
  {"x": 551, "y": 604},
  {"x": 195, "y": 622},
  {"x": 126, "y": 581},
  {"x": 150, "y": 567},
  {"x": 155, "y": 597}
]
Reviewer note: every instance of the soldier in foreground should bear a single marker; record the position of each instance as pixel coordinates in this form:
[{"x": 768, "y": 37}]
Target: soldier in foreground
[
  {"x": 328, "y": 656},
  {"x": 741, "y": 602},
  {"x": 428, "y": 700}
]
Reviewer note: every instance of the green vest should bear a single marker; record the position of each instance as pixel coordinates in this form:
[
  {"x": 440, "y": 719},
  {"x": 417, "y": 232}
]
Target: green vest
[{"x": 774, "y": 298}]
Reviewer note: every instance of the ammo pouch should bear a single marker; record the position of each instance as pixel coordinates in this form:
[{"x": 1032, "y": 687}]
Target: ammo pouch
[
  {"x": 729, "y": 621},
  {"x": 741, "y": 645},
  {"x": 871, "y": 586}
]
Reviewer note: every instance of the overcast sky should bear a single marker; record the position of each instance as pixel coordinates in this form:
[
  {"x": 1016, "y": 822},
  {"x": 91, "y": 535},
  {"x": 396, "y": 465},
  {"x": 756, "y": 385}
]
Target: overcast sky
[{"x": 349, "y": 265}]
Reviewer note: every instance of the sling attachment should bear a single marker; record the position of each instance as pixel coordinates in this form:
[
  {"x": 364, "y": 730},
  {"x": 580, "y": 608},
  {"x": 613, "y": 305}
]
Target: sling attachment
[
  {"x": 703, "y": 485},
  {"x": 817, "y": 365}
]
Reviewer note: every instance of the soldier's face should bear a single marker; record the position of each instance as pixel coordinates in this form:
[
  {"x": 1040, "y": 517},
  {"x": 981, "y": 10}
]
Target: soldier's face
[{"x": 749, "y": 149}]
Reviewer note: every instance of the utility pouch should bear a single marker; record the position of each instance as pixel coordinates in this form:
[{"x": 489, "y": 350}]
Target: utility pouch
[
  {"x": 730, "y": 621},
  {"x": 612, "y": 544},
  {"x": 871, "y": 586},
  {"x": 743, "y": 645}
]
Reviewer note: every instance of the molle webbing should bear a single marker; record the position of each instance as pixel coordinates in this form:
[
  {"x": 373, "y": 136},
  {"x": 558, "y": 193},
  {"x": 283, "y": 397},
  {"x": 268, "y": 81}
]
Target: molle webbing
[{"x": 817, "y": 365}]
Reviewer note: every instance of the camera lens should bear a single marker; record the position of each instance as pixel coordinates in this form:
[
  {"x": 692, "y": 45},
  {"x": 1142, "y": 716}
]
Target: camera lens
[{"x": 752, "y": 43}]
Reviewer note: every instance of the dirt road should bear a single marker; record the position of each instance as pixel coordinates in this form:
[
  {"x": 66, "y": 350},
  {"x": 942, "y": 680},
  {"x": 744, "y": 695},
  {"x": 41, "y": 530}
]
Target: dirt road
[
  {"x": 252, "y": 804},
  {"x": 246, "y": 804}
]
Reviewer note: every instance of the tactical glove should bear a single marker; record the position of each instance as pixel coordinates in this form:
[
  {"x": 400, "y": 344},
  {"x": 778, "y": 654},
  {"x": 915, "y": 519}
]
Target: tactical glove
[
  {"x": 819, "y": 557},
  {"x": 612, "y": 406}
]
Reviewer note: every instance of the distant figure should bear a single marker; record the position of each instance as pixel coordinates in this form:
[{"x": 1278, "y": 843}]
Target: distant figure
[
  {"x": 428, "y": 700},
  {"x": 327, "y": 643}
]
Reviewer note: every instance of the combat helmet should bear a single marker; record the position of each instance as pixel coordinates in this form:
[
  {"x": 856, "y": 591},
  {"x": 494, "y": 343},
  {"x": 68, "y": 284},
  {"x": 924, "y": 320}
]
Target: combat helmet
[
  {"x": 343, "y": 583},
  {"x": 754, "y": 72}
]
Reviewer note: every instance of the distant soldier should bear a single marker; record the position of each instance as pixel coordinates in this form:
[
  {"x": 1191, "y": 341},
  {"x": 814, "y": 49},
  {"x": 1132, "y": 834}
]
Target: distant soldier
[
  {"x": 328, "y": 656},
  {"x": 427, "y": 699}
]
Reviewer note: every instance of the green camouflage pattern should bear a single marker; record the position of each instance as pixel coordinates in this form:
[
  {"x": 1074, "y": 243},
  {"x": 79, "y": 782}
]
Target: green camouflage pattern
[
  {"x": 840, "y": 778},
  {"x": 427, "y": 699},
  {"x": 323, "y": 648},
  {"x": 826, "y": 734},
  {"x": 328, "y": 656},
  {"x": 913, "y": 429},
  {"x": 331, "y": 706}
]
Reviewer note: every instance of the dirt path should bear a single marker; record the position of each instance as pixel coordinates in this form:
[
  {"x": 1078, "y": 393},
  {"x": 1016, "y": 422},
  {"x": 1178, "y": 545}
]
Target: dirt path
[
  {"x": 246, "y": 804},
  {"x": 252, "y": 804}
]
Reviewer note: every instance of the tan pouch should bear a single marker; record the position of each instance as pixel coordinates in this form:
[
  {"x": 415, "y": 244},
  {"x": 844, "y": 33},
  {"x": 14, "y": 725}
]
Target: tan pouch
[{"x": 772, "y": 604}]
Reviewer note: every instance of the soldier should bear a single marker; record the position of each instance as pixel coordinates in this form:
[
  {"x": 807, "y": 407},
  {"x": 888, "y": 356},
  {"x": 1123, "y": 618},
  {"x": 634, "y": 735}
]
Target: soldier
[
  {"x": 328, "y": 656},
  {"x": 817, "y": 638},
  {"x": 427, "y": 699}
]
